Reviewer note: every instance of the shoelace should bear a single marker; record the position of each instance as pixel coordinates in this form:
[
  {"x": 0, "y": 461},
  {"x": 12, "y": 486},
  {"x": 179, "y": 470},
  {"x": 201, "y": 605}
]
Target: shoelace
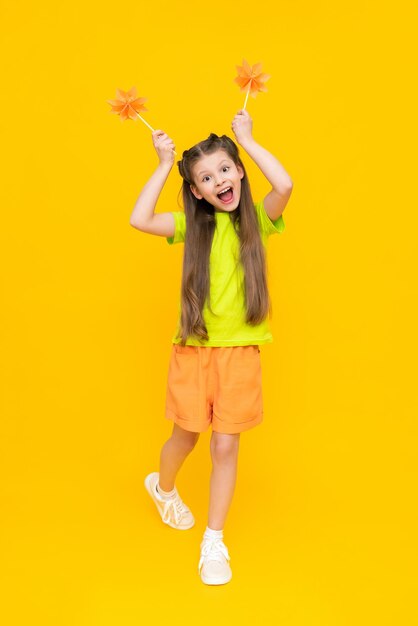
[
  {"x": 174, "y": 506},
  {"x": 213, "y": 550}
]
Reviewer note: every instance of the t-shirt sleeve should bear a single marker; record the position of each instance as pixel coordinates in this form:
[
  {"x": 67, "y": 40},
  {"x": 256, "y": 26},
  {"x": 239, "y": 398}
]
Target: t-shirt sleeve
[
  {"x": 180, "y": 228},
  {"x": 268, "y": 226}
]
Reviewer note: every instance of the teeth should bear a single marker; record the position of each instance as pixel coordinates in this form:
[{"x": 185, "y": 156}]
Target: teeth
[{"x": 224, "y": 190}]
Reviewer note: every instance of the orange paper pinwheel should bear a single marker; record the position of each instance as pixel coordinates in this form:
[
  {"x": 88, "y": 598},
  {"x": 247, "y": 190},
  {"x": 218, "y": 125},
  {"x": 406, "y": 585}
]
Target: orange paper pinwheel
[
  {"x": 251, "y": 79},
  {"x": 128, "y": 105}
]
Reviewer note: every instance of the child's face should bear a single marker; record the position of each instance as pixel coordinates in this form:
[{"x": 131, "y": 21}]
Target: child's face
[{"x": 214, "y": 173}]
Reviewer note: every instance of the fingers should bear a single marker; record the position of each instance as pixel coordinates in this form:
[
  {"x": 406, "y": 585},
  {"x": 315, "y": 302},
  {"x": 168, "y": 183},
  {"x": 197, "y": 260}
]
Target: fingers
[
  {"x": 242, "y": 113},
  {"x": 166, "y": 143},
  {"x": 241, "y": 120},
  {"x": 160, "y": 136},
  {"x": 162, "y": 140}
]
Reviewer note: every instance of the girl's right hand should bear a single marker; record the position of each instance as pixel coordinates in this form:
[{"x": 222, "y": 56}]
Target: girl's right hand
[{"x": 164, "y": 146}]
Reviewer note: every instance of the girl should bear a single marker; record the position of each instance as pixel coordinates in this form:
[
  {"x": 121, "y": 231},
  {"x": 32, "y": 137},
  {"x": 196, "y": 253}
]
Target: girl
[{"x": 214, "y": 374}]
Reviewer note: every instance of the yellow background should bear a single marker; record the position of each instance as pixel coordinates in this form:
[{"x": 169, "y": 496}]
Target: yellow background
[{"x": 322, "y": 528}]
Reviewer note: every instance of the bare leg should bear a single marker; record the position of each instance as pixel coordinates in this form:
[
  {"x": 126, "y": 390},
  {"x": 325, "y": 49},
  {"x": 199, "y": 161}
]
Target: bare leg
[
  {"x": 224, "y": 451},
  {"x": 173, "y": 454}
]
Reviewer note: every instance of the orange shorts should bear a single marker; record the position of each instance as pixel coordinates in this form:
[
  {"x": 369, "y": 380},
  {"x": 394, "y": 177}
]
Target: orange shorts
[{"x": 218, "y": 385}]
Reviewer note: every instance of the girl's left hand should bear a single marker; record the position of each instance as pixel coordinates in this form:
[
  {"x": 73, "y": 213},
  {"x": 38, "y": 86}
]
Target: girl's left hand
[{"x": 242, "y": 125}]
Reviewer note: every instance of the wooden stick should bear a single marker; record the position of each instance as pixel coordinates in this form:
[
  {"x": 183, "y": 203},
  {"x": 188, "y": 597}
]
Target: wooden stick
[
  {"x": 153, "y": 130},
  {"x": 246, "y": 97},
  {"x": 140, "y": 117}
]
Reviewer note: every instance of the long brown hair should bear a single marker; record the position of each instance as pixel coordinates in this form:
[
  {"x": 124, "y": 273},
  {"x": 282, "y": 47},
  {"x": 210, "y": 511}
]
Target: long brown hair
[{"x": 200, "y": 227}]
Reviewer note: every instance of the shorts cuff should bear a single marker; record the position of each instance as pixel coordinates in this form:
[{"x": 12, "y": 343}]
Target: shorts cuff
[
  {"x": 190, "y": 425},
  {"x": 231, "y": 428}
]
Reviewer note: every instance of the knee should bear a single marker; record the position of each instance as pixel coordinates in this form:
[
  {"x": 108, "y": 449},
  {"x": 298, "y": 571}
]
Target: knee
[{"x": 224, "y": 449}]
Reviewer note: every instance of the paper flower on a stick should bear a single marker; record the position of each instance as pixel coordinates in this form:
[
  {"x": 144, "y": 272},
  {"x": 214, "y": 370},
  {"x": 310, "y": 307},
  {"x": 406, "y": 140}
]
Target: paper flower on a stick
[
  {"x": 251, "y": 79},
  {"x": 128, "y": 105}
]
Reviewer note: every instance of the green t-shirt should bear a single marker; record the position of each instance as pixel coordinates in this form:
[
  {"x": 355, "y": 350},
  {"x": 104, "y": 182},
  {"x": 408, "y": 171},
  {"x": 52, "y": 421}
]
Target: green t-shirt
[{"x": 228, "y": 327}]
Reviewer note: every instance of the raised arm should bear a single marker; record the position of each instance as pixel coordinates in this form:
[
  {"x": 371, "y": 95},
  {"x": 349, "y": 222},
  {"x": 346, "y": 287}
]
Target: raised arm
[
  {"x": 282, "y": 185},
  {"x": 143, "y": 217},
  {"x": 276, "y": 200}
]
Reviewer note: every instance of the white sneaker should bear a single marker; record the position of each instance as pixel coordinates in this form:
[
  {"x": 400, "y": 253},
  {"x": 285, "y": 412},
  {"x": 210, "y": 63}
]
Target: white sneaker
[
  {"x": 213, "y": 566},
  {"x": 173, "y": 511}
]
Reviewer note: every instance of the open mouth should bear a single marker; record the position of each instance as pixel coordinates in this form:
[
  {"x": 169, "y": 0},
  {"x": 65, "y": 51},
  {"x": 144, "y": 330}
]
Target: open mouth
[{"x": 227, "y": 196}]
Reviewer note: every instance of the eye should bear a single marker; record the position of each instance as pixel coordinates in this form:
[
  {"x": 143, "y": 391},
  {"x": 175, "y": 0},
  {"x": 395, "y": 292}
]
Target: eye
[{"x": 224, "y": 167}]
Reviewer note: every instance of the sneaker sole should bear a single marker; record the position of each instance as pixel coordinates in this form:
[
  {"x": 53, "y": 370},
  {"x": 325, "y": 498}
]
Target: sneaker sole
[
  {"x": 149, "y": 489},
  {"x": 215, "y": 581}
]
